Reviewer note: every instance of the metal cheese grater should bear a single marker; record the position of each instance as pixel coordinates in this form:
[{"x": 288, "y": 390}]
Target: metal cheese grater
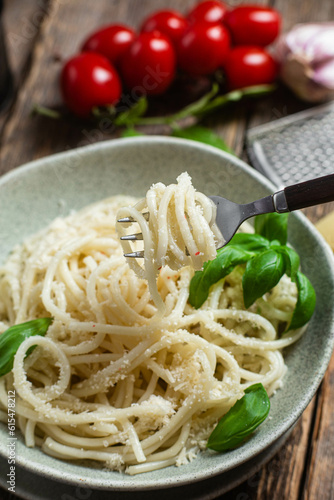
[{"x": 296, "y": 148}]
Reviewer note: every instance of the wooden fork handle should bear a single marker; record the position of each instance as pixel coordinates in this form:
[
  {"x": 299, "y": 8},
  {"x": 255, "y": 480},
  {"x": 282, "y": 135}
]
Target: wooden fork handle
[{"x": 310, "y": 193}]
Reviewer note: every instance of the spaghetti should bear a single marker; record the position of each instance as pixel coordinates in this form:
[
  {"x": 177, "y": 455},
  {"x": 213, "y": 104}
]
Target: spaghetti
[
  {"x": 180, "y": 231},
  {"x": 135, "y": 383}
]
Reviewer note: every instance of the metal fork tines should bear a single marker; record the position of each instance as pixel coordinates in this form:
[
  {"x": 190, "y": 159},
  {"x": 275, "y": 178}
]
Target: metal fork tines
[
  {"x": 129, "y": 220},
  {"x": 133, "y": 237},
  {"x": 136, "y": 255}
]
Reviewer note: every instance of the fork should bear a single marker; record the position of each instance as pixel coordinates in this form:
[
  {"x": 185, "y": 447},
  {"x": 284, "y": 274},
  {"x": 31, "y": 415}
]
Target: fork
[{"x": 231, "y": 215}]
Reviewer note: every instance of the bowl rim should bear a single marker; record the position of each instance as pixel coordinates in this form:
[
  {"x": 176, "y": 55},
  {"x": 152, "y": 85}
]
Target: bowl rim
[{"x": 100, "y": 483}]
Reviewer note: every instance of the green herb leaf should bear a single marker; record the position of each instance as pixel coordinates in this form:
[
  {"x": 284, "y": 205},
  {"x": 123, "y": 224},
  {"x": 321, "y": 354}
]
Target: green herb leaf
[
  {"x": 131, "y": 115},
  {"x": 130, "y": 132},
  {"x": 241, "y": 420},
  {"x": 249, "y": 241},
  {"x": 292, "y": 261},
  {"x": 214, "y": 270},
  {"x": 305, "y": 304},
  {"x": 262, "y": 273},
  {"x": 202, "y": 134},
  {"x": 273, "y": 226},
  {"x": 11, "y": 339}
]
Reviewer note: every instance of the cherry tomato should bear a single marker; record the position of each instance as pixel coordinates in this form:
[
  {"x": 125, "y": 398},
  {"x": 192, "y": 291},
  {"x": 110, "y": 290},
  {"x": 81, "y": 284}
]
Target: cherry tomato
[
  {"x": 253, "y": 25},
  {"x": 210, "y": 11},
  {"x": 148, "y": 66},
  {"x": 111, "y": 41},
  {"x": 89, "y": 80},
  {"x": 247, "y": 66},
  {"x": 203, "y": 48},
  {"x": 169, "y": 22}
]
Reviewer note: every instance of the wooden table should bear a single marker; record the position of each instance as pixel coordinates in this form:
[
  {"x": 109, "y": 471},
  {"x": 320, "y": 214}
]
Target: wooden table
[{"x": 40, "y": 35}]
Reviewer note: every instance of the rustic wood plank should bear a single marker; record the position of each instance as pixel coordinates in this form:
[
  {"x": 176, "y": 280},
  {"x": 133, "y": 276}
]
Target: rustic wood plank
[
  {"x": 320, "y": 475},
  {"x": 21, "y": 22},
  {"x": 283, "y": 477}
]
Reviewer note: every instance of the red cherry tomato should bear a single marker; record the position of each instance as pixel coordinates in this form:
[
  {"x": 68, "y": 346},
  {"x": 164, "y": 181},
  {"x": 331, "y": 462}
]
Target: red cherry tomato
[
  {"x": 89, "y": 80},
  {"x": 247, "y": 66},
  {"x": 111, "y": 41},
  {"x": 253, "y": 25},
  {"x": 203, "y": 48},
  {"x": 210, "y": 11},
  {"x": 148, "y": 66},
  {"x": 169, "y": 22}
]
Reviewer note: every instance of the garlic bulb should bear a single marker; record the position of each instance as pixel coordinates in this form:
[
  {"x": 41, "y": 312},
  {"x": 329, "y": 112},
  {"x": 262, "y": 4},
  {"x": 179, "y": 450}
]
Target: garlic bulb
[{"x": 306, "y": 57}]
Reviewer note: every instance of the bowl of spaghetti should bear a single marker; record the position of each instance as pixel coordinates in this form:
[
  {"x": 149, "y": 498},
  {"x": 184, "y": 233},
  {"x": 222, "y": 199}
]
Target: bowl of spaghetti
[{"x": 124, "y": 389}]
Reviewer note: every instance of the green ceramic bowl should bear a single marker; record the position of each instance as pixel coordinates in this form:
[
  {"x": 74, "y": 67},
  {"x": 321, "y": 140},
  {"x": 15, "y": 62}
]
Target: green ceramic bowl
[{"x": 32, "y": 195}]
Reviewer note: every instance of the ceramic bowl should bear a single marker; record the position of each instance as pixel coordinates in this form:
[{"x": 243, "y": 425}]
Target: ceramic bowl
[{"x": 34, "y": 194}]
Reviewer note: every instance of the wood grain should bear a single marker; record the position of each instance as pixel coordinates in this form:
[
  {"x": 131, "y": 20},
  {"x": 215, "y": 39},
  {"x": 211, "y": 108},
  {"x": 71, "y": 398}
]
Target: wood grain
[
  {"x": 320, "y": 472},
  {"x": 21, "y": 21}
]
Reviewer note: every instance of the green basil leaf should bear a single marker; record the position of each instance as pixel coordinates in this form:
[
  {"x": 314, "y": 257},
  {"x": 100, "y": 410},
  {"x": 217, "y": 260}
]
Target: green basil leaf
[
  {"x": 262, "y": 273},
  {"x": 131, "y": 115},
  {"x": 214, "y": 270},
  {"x": 273, "y": 226},
  {"x": 305, "y": 303},
  {"x": 241, "y": 420},
  {"x": 130, "y": 132},
  {"x": 250, "y": 242},
  {"x": 11, "y": 339},
  {"x": 292, "y": 261},
  {"x": 202, "y": 134}
]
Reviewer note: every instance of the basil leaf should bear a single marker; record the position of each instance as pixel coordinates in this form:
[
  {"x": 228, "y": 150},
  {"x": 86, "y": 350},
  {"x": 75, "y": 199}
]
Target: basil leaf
[
  {"x": 130, "y": 132},
  {"x": 262, "y": 273},
  {"x": 202, "y": 134},
  {"x": 273, "y": 226},
  {"x": 250, "y": 242},
  {"x": 214, "y": 270},
  {"x": 11, "y": 339},
  {"x": 241, "y": 420},
  {"x": 305, "y": 304},
  {"x": 292, "y": 261}
]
